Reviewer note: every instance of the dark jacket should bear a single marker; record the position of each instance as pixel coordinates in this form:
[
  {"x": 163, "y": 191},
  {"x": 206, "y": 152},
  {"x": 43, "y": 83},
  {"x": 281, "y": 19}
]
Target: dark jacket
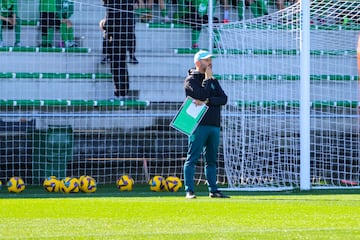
[{"x": 197, "y": 87}]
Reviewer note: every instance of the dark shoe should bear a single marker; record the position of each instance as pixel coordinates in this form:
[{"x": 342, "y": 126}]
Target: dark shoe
[
  {"x": 133, "y": 60},
  {"x": 195, "y": 46},
  {"x": 46, "y": 45},
  {"x": 217, "y": 46},
  {"x": 105, "y": 60},
  {"x": 217, "y": 194},
  {"x": 145, "y": 18},
  {"x": 190, "y": 195},
  {"x": 70, "y": 44}
]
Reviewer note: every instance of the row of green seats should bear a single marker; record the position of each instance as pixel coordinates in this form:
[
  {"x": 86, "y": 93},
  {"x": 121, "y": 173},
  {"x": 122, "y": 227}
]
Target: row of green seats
[
  {"x": 286, "y": 77},
  {"x": 269, "y": 52},
  {"x": 46, "y": 49},
  {"x": 261, "y": 26},
  {"x": 217, "y": 76},
  {"x": 57, "y": 75},
  {"x": 143, "y": 104},
  {"x": 74, "y": 103},
  {"x": 283, "y": 104}
]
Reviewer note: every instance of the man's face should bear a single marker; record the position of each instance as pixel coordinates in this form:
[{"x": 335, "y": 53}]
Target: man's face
[{"x": 205, "y": 63}]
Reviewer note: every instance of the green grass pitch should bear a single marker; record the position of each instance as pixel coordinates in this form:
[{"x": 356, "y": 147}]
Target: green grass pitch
[{"x": 141, "y": 214}]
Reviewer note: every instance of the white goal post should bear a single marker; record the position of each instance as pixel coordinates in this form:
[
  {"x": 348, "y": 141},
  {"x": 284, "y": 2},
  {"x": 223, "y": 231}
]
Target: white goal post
[{"x": 294, "y": 122}]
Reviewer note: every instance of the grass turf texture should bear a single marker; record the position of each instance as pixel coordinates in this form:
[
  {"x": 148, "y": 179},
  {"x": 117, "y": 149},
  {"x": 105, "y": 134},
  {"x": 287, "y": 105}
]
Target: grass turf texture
[{"x": 141, "y": 214}]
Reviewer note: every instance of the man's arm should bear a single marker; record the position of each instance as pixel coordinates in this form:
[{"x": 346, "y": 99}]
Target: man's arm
[
  {"x": 195, "y": 90},
  {"x": 220, "y": 98}
]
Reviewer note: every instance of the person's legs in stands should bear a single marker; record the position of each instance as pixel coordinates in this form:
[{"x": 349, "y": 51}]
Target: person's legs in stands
[{"x": 17, "y": 32}]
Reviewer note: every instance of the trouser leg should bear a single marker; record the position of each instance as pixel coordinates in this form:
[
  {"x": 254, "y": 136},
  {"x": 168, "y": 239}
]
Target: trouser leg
[
  {"x": 195, "y": 148},
  {"x": 210, "y": 156},
  {"x": 1, "y": 27},
  {"x": 17, "y": 31},
  {"x": 119, "y": 67}
]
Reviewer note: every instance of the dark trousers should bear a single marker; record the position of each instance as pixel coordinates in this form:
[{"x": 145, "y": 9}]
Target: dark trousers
[
  {"x": 120, "y": 25},
  {"x": 118, "y": 64},
  {"x": 131, "y": 40},
  {"x": 195, "y": 20},
  {"x": 204, "y": 142}
]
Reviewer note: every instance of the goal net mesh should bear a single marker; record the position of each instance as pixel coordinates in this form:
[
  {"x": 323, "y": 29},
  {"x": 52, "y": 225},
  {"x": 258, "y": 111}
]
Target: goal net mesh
[
  {"x": 261, "y": 71},
  {"x": 59, "y": 115}
]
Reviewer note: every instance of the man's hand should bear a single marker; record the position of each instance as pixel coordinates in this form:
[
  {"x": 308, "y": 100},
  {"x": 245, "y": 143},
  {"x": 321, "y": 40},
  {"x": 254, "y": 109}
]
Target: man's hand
[
  {"x": 198, "y": 102},
  {"x": 208, "y": 73}
]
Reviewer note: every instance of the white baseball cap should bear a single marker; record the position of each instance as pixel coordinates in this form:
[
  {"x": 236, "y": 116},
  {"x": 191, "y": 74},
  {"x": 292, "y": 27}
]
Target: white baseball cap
[{"x": 202, "y": 54}]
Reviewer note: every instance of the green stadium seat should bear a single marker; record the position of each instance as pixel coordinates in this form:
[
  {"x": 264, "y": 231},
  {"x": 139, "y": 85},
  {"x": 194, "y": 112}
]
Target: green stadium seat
[{"x": 36, "y": 103}]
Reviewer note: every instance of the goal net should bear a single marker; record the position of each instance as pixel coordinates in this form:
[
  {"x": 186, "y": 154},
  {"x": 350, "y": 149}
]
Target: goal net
[
  {"x": 62, "y": 111},
  {"x": 261, "y": 69}
]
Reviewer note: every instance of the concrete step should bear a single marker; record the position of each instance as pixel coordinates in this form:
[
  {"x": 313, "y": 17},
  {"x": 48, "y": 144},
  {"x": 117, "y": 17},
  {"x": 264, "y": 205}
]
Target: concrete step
[
  {"x": 174, "y": 65},
  {"x": 163, "y": 38},
  {"x": 156, "y": 88}
]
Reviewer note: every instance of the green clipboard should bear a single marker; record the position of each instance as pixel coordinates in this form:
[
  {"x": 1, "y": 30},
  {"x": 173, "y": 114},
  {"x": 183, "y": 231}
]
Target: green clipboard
[{"x": 188, "y": 116}]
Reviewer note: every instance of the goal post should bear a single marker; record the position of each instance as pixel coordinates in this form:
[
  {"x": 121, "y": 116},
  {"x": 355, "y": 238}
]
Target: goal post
[
  {"x": 358, "y": 54},
  {"x": 287, "y": 127},
  {"x": 305, "y": 95}
]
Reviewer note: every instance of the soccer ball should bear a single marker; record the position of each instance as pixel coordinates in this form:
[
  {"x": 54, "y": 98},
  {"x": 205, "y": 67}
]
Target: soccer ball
[
  {"x": 16, "y": 185},
  {"x": 173, "y": 184},
  {"x": 69, "y": 185},
  {"x": 125, "y": 183},
  {"x": 82, "y": 177},
  {"x": 87, "y": 184},
  {"x": 51, "y": 184},
  {"x": 157, "y": 184}
]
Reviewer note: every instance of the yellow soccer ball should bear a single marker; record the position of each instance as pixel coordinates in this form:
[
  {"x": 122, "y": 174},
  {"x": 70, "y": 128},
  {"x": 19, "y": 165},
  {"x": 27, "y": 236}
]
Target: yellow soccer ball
[
  {"x": 173, "y": 183},
  {"x": 51, "y": 184},
  {"x": 157, "y": 184},
  {"x": 125, "y": 183},
  {"x": 87, "y": 184},
  {"x": 16, "y": 185},
  {"x": 82, "y": 177},
  {"x": 69, "y": 185}
]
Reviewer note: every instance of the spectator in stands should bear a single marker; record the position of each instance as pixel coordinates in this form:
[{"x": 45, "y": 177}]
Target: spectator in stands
[
  {"x": 280, "y": 4},
  {"x": 9, "y": 19},
  {"x": 258, "y": 7},
  {"x": 225, "y": 4},
  {"x": 131, "y": 40},
  {"x": 48, "y": 22},
  {"x": 204, "y": 89},
  {"x": 145, "y": 10},
  {"x": 106, "y": 42},
  {"x": 119, "y": 18},
  {"x": 131, "y": 37},
  {"x": 65, "y": 9},
  {"x": 194, "y": 13}
]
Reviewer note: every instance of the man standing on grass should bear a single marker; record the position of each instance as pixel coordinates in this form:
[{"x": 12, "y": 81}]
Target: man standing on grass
[{"x": 204, "y": 89}]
